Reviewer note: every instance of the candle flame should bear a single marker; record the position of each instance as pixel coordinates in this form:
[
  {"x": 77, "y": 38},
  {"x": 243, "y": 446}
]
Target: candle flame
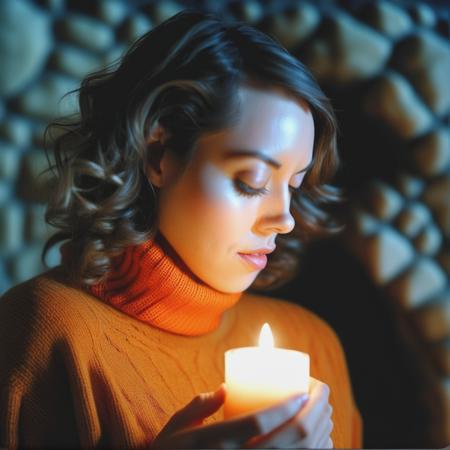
[{"x": 266, "y": 337}]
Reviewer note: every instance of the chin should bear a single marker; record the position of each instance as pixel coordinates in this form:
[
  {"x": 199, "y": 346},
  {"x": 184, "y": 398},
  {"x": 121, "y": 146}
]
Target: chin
[{"x": 234, "y": 286}]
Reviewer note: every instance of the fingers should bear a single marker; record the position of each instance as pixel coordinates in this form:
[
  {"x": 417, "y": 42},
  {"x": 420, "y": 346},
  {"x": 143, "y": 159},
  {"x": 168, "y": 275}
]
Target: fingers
[
  {"x": 310, "y": 427},
  {"x": 311, "y": 414},
  {"x": 316, "y": 421},
  {"x": 268, "y": 419},
  {"x": 261, "y": 422},
  {"x": 226, "y": 434},
  {"x": 201, "y": 406},
  {"x": 322, "y": 433},
  {"x": 282, "y": 432},
  {"x": 299, "y": 419}
]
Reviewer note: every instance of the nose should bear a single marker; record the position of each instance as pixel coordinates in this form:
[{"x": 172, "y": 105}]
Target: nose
[{"x": 275, "y": 215}]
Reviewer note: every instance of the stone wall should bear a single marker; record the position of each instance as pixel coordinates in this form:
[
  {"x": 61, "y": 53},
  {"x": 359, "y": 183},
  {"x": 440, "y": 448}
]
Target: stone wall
[{"x": 386, "y": 67}]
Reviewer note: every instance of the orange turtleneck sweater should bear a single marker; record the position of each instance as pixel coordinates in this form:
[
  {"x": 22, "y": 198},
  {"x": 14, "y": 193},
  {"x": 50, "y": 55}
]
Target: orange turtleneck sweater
[{"x": 109, "y": 367}]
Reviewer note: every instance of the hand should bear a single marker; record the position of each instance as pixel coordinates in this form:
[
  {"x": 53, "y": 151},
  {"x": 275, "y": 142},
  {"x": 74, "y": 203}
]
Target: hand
[
  {"x": 185, "y": 430},
  {"x": 309, "y": 428},
  {"x": 277, "y": 425}
]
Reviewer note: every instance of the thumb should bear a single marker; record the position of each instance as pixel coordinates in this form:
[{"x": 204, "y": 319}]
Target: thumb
[
  {"x": 200, "y": 407},
  {"x": 205, "y": 404}
]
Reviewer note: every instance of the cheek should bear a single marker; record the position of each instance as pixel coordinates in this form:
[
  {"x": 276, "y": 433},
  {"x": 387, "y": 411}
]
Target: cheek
[
  {"x": 217, "y": 202},
  {"x": 206, "y": 210},
  {"x": 219, "y": 209}
]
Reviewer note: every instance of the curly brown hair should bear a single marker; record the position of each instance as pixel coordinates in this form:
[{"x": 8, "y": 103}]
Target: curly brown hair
[{"x": 184, "y": 74}]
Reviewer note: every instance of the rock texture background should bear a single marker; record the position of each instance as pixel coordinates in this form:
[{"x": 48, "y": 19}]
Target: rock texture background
[{"x": 384, "y": 283}]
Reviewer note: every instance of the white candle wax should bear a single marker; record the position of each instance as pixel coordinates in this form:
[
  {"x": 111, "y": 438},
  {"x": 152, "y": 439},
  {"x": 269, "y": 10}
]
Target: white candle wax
[{"x": 259, "y": 377}]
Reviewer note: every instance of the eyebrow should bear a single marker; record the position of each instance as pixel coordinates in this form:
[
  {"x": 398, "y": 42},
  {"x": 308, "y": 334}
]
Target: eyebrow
[{"x": 241, "y": 153}]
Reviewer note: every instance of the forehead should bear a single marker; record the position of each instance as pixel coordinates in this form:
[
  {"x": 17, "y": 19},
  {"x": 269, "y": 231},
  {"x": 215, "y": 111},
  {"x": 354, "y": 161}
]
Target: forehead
[{"x": 269, "y": 121}]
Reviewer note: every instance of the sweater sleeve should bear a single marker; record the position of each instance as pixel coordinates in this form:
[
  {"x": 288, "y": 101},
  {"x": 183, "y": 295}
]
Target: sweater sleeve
[
  {"x": 57, "y": 389},
  {"x": 10, "y": 400},
  {"x": 37, "y": 404}
]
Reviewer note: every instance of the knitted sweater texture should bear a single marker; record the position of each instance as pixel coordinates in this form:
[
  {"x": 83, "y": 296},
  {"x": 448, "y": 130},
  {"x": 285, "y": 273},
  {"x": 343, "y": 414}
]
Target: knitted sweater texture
[{"x": 76, "y": 370}]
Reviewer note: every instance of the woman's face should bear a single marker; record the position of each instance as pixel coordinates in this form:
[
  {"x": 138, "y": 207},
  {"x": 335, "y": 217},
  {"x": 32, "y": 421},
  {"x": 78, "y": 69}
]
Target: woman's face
[{"x": 233, "y": 197}]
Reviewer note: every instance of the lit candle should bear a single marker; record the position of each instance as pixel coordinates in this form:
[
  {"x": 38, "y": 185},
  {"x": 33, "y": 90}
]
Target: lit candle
[{"x": 259, "y": 377}]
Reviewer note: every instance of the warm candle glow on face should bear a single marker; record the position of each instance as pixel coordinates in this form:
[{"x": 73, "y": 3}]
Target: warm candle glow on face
[
  {"x": 258, "y": 377},
  {"x": 266, "y": 337}
]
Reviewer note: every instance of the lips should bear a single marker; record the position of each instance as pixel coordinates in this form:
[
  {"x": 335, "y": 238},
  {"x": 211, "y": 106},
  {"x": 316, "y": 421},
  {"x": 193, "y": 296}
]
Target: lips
[{"x": 255, "y": 260}]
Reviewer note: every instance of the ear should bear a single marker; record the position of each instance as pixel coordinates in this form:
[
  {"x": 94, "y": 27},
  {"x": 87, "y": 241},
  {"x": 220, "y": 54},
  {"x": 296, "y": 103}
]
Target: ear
[{"x": 160, "y": 163}]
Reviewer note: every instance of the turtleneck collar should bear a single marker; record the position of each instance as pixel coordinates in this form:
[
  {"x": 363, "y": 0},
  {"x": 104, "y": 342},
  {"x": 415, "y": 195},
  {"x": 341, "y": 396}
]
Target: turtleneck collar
[{"x": 151, "y": 283}]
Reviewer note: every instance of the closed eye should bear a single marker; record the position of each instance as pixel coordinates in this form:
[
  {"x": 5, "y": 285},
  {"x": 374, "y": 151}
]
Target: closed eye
[{"x": 248, "y": 191}]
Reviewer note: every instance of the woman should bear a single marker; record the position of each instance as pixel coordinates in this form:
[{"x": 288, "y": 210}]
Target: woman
[{"x": 208, "y": 147}]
